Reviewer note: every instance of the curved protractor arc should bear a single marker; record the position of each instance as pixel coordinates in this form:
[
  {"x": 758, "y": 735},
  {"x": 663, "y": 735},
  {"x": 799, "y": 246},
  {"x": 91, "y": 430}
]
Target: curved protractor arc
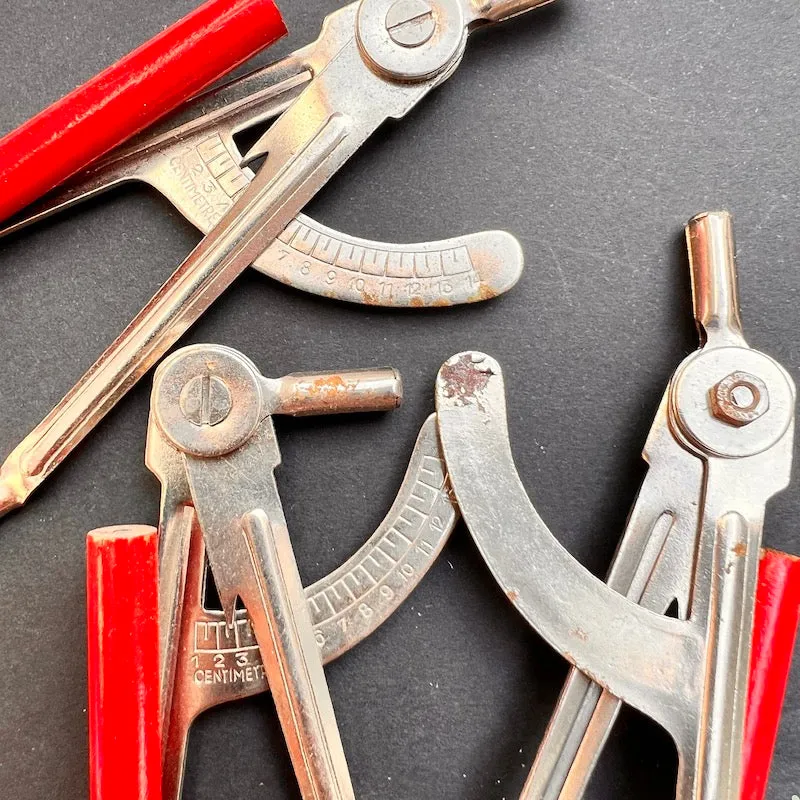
[
  {"x": 218, "y": 664},
  {"x": 645, "y": 659},
  {"x": 466, "y": 269},
  {"x": 201, "y": 171}
]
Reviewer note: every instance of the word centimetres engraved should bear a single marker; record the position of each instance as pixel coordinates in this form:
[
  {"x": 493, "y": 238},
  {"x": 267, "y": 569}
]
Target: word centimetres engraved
[
  {"x": 226, "y": 653},
  {"x": 210, "y": 177}
]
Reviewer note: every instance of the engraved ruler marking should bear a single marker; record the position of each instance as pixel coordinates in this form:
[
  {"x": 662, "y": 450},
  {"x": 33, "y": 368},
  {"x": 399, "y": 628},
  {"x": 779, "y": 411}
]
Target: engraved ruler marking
[
  {"x": 220, "y": 164},
  {"x": 219, "y": 637},
  {"x": 387, "y": 555},
  {"x": 381, "y": 263}
]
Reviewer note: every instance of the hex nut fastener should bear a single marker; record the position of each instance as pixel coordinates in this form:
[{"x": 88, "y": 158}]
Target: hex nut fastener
[{"x": 739, "y": 399}]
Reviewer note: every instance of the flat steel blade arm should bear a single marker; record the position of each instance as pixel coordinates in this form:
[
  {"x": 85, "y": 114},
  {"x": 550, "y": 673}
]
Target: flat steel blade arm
[
  {"x": 195, "y": 162},
  {"x": 653, "y": 567},
  {"x": 607, "y": 642},
  {"x": 308, "y": 145},
  {"x": 214, "y": 663},
  {"x": 251, "y": 558},
  {"x": 258, "y": 217},
  {"x": 584, "y": 716},
  {"x": 664, "y": 519},
  {"x": 720, "y": 448},
  {"x": 213, "y": 410}
]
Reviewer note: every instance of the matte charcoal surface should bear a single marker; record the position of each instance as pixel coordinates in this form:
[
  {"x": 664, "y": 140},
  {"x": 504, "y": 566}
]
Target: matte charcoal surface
[{"x": 592, "y": 130}]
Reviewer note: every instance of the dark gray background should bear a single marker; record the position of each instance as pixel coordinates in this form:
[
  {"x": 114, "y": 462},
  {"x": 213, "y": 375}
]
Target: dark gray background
[{"x": 592, "y": 130}]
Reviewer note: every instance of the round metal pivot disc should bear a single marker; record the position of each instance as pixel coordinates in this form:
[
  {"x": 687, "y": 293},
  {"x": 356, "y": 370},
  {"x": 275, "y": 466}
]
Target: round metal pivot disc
[
  {"x": 207, "y": 400},
  {"x": 704, "y": 375},
  {"x": 411, "y": 40}
]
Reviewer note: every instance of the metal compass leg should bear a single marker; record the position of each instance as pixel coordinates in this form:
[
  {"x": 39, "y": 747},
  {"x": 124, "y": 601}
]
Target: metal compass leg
[
  {"x": 360, "y": 77},
  {"x": 218, "y": 663},
  {"x": 719, "y": 449}
]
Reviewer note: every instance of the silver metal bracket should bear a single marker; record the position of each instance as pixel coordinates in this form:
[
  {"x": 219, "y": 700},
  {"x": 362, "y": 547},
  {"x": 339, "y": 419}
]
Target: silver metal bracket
[{"x": 194, "y": 160}]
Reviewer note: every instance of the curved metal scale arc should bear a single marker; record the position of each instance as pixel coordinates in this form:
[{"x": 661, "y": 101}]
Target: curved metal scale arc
[
  {"x": 632, "y": 652},
  {"x": 198, "y": 166},
  {"x": 217, "y": 663}
]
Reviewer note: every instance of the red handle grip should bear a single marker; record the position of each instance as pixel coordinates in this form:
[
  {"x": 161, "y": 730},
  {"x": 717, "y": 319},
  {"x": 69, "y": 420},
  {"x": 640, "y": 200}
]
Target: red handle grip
[
  {"x": 130, "y": 95},
  {"x": 124, "y": 697},
  {"x": 775, "y": 628}
]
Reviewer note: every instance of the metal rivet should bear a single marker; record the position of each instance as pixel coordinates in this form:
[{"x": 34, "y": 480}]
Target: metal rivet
[
  {"x": 206, "y": 400},
  {"x": 411, "y": 23}
]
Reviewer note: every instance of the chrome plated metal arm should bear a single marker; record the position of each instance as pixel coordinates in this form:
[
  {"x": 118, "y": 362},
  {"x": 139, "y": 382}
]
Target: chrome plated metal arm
[
  {"x": 195, "y": 162},
  {"x": 720, "y": 447},
  {"x": 212, "y": 444},
  {"x": 363, "y": 71},
  {"x": 215, "y": 663}
]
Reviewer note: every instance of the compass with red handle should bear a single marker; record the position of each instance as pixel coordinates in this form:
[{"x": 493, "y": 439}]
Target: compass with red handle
[{"x": 131, "y": 95}]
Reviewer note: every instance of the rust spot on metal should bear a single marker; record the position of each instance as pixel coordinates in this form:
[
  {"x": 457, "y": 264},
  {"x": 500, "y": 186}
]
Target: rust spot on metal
[
  {"x": 484, "y": 292},
  {"x": 739, "y": 399},
  {"x": 579, "y": 633},
  {"x": 330, "y": 383},
  {"x": 340, "y": 392},
  {"x": 740, "y": 550},
  {"x": 416, "y": 302},
  {"x": 463, "y": 379},
  {"x": 513, "y": 595}
]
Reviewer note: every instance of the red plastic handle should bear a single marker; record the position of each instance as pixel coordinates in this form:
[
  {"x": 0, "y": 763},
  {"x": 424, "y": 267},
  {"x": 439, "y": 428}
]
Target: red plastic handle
[
  {"x": 777, "y": 615},
  {"x": 124, "y": 697},
  {"x": 130, "y": 95}
]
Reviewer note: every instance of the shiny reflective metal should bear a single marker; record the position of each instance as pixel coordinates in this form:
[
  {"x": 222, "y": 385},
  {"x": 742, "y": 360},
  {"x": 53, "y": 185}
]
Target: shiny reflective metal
[
  {"x": 215, "y": 663},
  {"x": 220, "y": 502},
  {"x": 693, "y": 539},
  {"x": 410, "y": 22},
  {"x": 195, "y": 161},
  {"x": 331, "y": 96}
]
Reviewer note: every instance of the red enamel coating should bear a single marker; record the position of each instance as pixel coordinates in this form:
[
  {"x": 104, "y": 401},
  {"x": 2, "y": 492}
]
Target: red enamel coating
[
  {"x": 775, "y": 629},
  {"x": 130, "y": 95},
  {"x": 124, "y": 718}
]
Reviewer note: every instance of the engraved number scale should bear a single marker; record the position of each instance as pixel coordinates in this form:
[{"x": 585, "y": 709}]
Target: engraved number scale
[
  {"x": 217, "y": 662},
  {"x": 194, "y": 160}
]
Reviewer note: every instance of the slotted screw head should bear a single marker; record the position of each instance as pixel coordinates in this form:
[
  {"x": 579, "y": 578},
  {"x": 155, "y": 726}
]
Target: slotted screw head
[
  {"x": 739, "y": 399},
  {"x": 411, "y": 23},
  {"x": 206, "y": 400}
]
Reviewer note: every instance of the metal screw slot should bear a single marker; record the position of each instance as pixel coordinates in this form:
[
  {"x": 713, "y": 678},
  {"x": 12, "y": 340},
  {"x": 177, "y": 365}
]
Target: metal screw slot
[
  {"x": 411, "y": 23},
  {"x": 739, "y": 399},
  {"x": 206, "y": 400}
]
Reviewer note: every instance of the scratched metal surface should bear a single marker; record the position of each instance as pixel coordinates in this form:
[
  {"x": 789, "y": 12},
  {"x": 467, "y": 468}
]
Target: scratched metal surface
[{"x": 592, "y": 130}]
